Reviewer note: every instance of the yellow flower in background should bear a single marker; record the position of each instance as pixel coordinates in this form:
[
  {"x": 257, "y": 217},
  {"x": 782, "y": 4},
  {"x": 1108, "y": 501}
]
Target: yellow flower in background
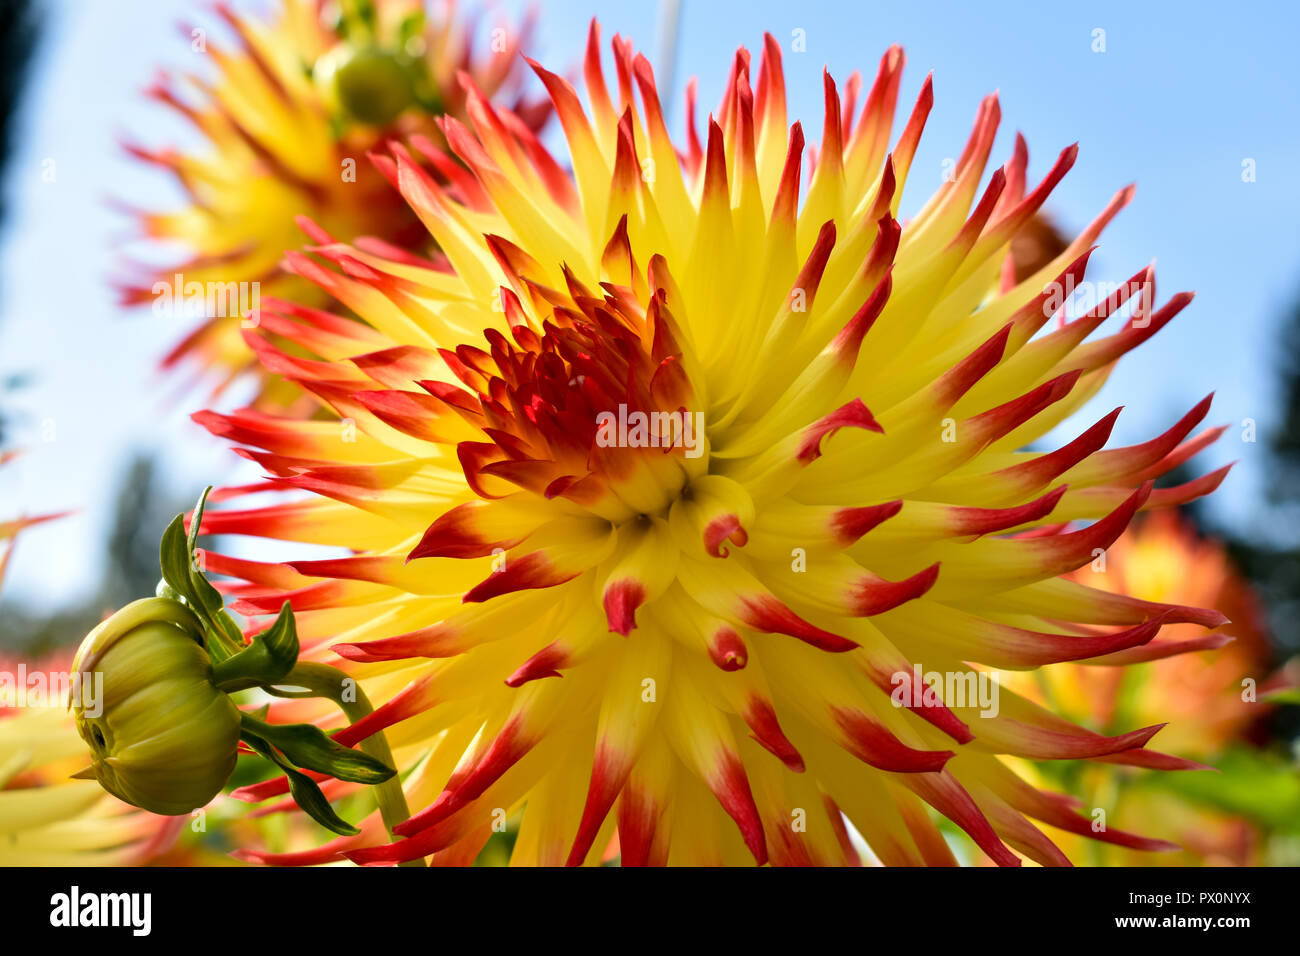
[
  {"x": 660, "y": 492},
  {"x": 295, "y": 105},
  {"x": 1211, "y": 699}
]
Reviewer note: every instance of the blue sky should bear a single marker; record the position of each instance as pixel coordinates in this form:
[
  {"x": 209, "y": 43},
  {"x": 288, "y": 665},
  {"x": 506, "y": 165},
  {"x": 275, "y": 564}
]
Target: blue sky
[{"x": 1181, "y": 96}]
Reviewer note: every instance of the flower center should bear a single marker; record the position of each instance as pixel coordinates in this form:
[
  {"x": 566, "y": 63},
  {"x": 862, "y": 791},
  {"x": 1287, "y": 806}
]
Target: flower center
[{"x": 595, "y": 407}]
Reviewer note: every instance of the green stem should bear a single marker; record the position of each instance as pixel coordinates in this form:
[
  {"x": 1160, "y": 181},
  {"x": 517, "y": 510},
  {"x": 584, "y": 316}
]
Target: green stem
[{"x": 322, "y": 680}]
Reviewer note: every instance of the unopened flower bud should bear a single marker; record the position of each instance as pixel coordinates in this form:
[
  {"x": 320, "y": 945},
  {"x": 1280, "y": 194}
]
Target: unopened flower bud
[
  {"x": 165, "y": 737},
  {"x": 367, "y": 83}
]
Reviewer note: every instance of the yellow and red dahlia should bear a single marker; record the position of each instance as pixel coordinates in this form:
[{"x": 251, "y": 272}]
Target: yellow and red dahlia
[
  {"x": 293, "y": 110},
  {"x": 663, "y": 488}
]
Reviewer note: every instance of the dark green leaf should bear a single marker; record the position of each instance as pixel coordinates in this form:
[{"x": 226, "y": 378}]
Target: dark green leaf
[
  {"x": 309, "y": 747},
  {"x": 302, "y": 788}
]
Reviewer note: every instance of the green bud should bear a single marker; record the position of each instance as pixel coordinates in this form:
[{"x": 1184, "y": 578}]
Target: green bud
[
  {"x": 367, "y": 83},
  {"x": 163, "y": 738}
]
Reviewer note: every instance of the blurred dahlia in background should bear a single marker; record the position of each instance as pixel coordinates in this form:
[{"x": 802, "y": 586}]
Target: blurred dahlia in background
[
  {"x": 288, "y": 118},
  {"x": 679, "y": 644},
  {"x": 1213, "y": 701},
  {"x": 1202, "y": 696}
]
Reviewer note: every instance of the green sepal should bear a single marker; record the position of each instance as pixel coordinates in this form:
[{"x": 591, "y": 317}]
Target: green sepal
[
  {"x": 207, "y": 595},
  {"x": 259, "y": 713},
  {"x": 270, "y": 656},
  {"x": 309, "y": 747},
  {"x": 174, "y": 560},
  {"x": 302, "y": 788},
  {"x": 229, "y": 638},
  {"x": 357, "y": 20},
  {"x": 411, "y": 28},
  {"x": 183, "y": 580}
]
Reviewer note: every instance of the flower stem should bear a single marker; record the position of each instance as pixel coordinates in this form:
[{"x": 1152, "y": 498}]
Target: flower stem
[{"x": 322, "y": 680}]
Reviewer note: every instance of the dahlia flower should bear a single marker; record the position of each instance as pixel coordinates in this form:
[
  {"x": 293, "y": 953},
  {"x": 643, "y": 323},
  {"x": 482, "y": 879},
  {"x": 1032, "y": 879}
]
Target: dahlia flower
[
  {"x": 288, "y": 120},
  {"x": 668, "y": 643}
]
